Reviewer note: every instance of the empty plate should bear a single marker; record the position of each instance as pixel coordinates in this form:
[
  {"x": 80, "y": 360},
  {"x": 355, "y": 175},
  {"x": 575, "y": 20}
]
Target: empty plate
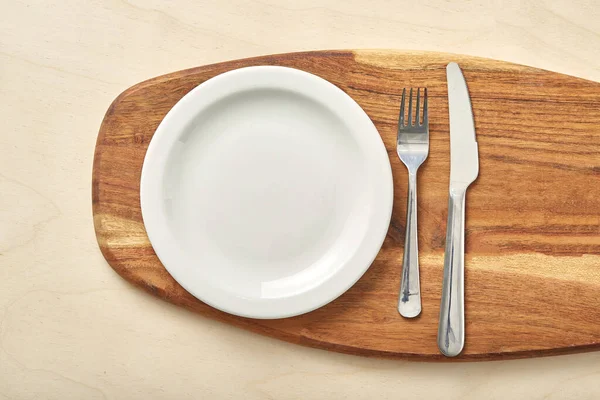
[{"x": 266, "y": 192}]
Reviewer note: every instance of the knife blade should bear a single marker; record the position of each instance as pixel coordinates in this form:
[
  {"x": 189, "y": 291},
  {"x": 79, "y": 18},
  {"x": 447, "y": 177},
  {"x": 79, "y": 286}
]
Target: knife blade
[
  {"x": 464, "y": 169},
  {"x": 464, "y": 166}
]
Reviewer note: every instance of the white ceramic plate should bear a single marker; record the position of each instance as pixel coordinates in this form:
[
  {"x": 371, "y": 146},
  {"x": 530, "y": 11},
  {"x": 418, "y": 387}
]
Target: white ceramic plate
[{"x": 266, "y": 192}]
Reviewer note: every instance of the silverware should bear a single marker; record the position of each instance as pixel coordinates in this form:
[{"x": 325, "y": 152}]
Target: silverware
[
  {"x": 412, "y": 148},
  {"x": 464, "y": 168}
]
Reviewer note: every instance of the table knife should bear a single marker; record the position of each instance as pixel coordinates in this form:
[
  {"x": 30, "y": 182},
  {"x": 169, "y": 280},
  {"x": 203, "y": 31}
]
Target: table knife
[{"x": 464, "y": 168}]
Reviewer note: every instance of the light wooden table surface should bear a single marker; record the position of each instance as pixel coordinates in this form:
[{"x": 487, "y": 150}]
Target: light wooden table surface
[{"x": 71, "y": 328}]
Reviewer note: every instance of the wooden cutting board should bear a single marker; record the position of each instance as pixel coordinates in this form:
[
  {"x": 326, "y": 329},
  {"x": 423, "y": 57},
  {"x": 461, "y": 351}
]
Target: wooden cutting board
[{"x": 533, "y": 215}]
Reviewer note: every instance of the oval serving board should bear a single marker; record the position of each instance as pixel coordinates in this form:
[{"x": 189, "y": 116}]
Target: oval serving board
[{"x": 533, "y": 215}]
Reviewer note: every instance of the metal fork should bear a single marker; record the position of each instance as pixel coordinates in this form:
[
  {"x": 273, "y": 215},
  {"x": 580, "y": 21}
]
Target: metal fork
[{"x": 412, "y": 148}]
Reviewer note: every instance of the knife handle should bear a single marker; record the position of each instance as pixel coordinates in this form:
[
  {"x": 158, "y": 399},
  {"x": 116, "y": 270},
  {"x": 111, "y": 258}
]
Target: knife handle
[
  {"x": 451, "y": 330},
  {"x": 409, "y": 304}
]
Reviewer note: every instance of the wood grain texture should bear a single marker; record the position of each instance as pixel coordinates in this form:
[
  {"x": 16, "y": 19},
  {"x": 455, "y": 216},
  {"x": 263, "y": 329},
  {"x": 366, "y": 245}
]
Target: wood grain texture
[{"x": 533, "y": 216}]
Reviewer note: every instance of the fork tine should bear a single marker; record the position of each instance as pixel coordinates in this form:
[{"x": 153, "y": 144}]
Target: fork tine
[
  {"x": 425, "y": 117},
  {"x": 402, "y": 103},
  {"x": 410, "y": 101},
  {"x": 417, "y": 116}
]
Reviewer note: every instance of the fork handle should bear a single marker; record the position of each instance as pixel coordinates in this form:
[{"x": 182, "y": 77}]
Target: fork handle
[
  {"x": 451, "y": 330},
  {"x": 409, "y": 304}
]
